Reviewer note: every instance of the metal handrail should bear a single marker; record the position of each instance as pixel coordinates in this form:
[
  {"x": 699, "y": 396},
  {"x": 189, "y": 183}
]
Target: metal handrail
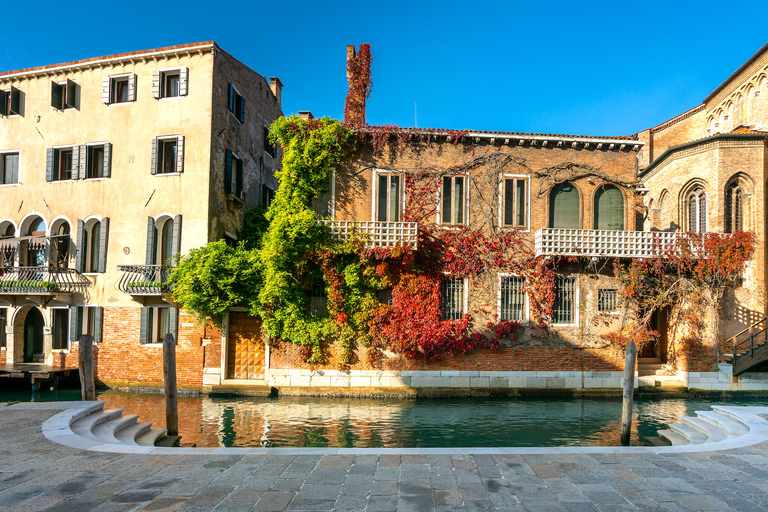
[
  {"x": 144, "y": 279},
  {"x": 41, "y": 280}
]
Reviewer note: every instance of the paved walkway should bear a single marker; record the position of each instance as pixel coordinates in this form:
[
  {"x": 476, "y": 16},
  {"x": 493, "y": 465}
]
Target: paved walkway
[{"x": 37, "y": 474}]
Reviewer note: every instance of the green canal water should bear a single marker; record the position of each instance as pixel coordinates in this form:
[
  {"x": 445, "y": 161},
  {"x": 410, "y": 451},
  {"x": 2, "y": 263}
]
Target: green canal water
[{"x": 360, "y": 422}]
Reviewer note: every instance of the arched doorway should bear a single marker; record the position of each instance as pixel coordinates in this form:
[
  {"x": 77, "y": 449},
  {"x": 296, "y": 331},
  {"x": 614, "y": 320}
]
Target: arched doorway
[{"x": 33, "y": 336}]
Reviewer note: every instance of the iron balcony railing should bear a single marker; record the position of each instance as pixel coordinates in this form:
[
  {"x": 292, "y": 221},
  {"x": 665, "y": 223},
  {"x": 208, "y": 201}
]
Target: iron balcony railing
[
  {"x": 600, "y": 243},
  {"x": 32, "y": 249},
  {"x": 375, "y": 233},
  {"x": 41, "y": 280},
  {"x": 144, "y": 279}
]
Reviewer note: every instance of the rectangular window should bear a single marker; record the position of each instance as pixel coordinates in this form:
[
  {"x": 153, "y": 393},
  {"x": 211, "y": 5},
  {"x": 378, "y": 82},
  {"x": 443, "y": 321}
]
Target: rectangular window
[
  {"x": 452, "y": 299},
  {"x": 318, "y": 302},
  {"x": 514, "y": 200},
  {"x": 119, "y": 90},
  {"x": 9, "y": 168},
  {"x": 168, "y": 155},
  {"x": 564, "y": 308},
  {"x": 170, "y": 84},
  {"x": 95, "y": 163},
  {"x": 63, "y": 164},
  {"x": 3, "y": 324},
  {"x": 156, "y": 322},
  {"x": 607, "y": 300},
  {"x": 512, "y": 299},
  {"x": 86, "y": 320},
  {"x": 60, "y": 330},
  {"x": 63, "y": 95},
  {"x": 270, "y": 148},
  {"x": 388, "y": 196},
  {"x": 236, "y": 103},
  {"x": 11, "y": 102},
  {"x": 453, "y": 200},
  {"x": 233, "y": 175},
  {"x": 267, "y": 196}
]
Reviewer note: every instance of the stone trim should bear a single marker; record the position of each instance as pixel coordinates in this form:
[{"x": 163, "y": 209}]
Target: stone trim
[
  {"x": 723, "y": 380},
  {"x": 681, "y": 117},
  {"x": 702, "y": 148}
]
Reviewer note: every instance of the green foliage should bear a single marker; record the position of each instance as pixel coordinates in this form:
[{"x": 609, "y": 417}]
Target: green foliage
[{"x": 255, "y": 224}]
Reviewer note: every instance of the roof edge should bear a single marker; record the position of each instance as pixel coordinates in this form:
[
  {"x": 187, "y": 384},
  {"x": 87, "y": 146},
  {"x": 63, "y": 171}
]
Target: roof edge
[{"x": 733, "y": 75}]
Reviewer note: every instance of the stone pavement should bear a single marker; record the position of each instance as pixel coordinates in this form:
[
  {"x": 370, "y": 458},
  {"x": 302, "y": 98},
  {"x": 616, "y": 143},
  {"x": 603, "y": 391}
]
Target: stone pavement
[{"x": 37, "y": 474}]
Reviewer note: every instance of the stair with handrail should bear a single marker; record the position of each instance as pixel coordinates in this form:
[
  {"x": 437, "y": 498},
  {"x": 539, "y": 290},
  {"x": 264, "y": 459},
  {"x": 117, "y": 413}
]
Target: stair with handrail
[{"x": 749, "y": 348}]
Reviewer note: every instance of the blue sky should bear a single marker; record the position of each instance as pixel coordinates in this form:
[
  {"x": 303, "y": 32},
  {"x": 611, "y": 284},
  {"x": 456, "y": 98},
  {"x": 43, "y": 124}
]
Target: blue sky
[{"x": 598, "y": 68}]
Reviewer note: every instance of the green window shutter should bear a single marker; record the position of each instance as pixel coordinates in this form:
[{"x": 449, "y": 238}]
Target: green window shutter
[
  {"x": 107, "y": 160},
  {"x": 131, "y": 87},
  {"x": 154, "y": 156},
  {"x": 81, "y": 246},
  {"x": 15, "y": 101},
  {"x": 176, "y": 240},
  {"x": 609, "y": 208},
  {"x": 71, "y": 96},
  {"x": 151, "y": 241},
  {"x": 183, "y": 81},
  {"x": 102, "y": 266},
  {"x": 145, "y": 325},
  {"x": 49, "y": 165},
  {"x": 156, "y": 84},
  {"x": 231, "y": 98},
  {"x": 180, "y": 154},
  {"x": 564, "y": 207},
  {"x": 57, "y": 96},
  {"x": 239, "y": 179},
  {"x": 173, "y": 323},
  {"x": 75, "y": 323},
  {"x": 98, "y": 323},
  {"x": 83, "y": 164},
  {"x": 106, "y": 82},
  {"x": 4, "y": 97},
  {"x": 241, "y": 112},
  {"x": 228, "y": 172}
]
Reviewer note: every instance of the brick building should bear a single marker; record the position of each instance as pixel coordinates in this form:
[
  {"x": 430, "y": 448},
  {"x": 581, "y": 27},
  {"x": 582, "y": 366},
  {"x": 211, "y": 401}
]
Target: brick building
[{"x": 110, "y": 166}]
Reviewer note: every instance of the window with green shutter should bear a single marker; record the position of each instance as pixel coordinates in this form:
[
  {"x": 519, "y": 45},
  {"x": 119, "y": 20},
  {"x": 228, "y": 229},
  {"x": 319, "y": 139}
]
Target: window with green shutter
[
  {"x": 609, "y": 208},
  {"x": 564, "y": 207}
]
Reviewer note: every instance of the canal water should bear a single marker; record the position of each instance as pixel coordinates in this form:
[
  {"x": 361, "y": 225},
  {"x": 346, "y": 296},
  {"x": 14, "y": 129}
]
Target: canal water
[{"x": 391, "y": 423}]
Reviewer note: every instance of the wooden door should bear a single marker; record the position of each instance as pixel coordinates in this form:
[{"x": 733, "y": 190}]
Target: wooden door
[{"x": 245, "y": 347}]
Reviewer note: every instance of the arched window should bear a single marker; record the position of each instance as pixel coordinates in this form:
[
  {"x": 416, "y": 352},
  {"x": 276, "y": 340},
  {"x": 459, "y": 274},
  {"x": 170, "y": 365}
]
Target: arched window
[
  {"x": 7, "y": 250},
  {"x": 60, "y": 243},
  {"x": 738, "y": 208},
  {"x": 32, "y": 250},
  {"x": 92, "y": 245},
  {"x": 163, "y": 240},
  {"x": 609, "y": 208},
  {"x": 697, "y": 211},
  {"x": 564, "y": 207}
]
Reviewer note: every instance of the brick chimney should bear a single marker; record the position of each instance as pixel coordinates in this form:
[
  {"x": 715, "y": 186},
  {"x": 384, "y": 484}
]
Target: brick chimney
[
  {"x": 306, "y": 114},
  {"x": 351, "y": 54},
  {"x": 277, "y": 89}
]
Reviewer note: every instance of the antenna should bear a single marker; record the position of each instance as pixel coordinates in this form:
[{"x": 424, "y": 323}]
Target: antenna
[{"x": 415, "y": 116}]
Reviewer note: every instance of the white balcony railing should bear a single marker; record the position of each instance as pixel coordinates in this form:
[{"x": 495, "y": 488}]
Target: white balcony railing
[
  {"x": 375, "y": 233},
  {"x": 614, "y": 244}
]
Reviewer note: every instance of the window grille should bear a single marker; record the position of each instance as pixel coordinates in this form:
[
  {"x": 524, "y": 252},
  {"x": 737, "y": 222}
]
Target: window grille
[
  {"x": 512, "y": 299},
  {"x": 318, "y": 305},
  {"x": 607, "y": 300},
  {"x": 565, "y": 300},
  {"x": 453, "y": 299}
]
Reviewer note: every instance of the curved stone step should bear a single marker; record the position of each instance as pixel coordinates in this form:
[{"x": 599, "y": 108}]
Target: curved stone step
[
  {"x": 724, "y": 411},
  {"x": 149, "y": 437},
  {"x": 84, "y": 426},
  {"x": 108, "y": 430},
  {"x": 691, "y": 434},
  {"x": 674, "y": 438},
  {"x": 128, "y": 434},
  {"x": 729, "y": 425},
  {"x": 712, "y": 432}
]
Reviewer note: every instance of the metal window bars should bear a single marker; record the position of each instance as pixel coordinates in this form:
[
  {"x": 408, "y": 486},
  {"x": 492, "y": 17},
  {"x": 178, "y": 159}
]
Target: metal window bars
[
  {"x": 607, "y": 300},
  {"x": 512, "y": 299},
  {"x": 565, "y": 300},
  {"x": 453, "y": 299}
]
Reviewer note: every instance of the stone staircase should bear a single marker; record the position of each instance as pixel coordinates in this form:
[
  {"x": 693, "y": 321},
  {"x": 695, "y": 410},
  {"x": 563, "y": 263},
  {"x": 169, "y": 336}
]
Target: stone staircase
[
  {"x": 650, "y": 373},
  {"x": 111, "y": 426},
  {"x": 707, "y": 427}
]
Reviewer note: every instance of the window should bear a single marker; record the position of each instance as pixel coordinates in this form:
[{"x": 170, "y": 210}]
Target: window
[
  {"x": 156, "y": 322},
  {"x": 452, "y": 299},
  {"x": 236, "y": 103},
  {"x": 118, "y": 89},
  {"x": 7, "y": 251},
  {"x": 11, "y": 102},
  {"x": 385, "y": 296},
  {"x": 231, "y": 241},
  {"x": 564, "y": 207},
  {"x": 92, "y": 245},
  {"x": 9, "y": 168},
  {"x": 609, "y": 208},
  {"x": 267, "y": 195},
  {"x": 62, "y": 164},
  {"x": 168, "y": 155},
  {"x": 513, "y": 301},
  {"x": 233, "y": 175},
  {"x": 734, "y": 208},
  {"x": 32, "y": 249},
  {"x": 63, "y": 95},
  {"x": 163, "y": 243},
  {"x": 607, "y": 300},
  {"x": 60, "y": 331},
  {"x": 563, "y": 311},
  {"x": 86, "y": 320},
  {"x": 514, "y": 200},
  {"x": 170, "y": 83},
  {"x": 59, "y": 244},
  {"x": 270, "y": 148},
  {"x": 3, "y": 324},
  {"x": 98, "y": 160},
  {"x": 388, "y": 197},
  {"x": 318, "y": 302},
  {"x": 697, "y": 211},
  {"x": 453, "y": 201}
]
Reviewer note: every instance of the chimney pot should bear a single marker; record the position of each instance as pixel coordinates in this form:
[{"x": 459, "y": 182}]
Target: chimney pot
[
  {"x": 306, "y": 114},
  {"x": 277, "y": 89}
]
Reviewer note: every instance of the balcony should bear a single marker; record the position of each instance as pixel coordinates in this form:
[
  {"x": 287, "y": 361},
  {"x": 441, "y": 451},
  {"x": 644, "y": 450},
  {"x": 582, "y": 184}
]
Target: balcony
[
  {"x": 31, "y": 250},
  {"x": 375, "y": 233},
  {"x": 41, "y": 280},
  {"x": 614, "y": 244},
  {"x": 144, "y": 279}
]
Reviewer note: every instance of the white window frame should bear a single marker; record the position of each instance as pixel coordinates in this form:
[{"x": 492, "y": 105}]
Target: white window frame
[
  {"x": 5, "y": 152},
  {"x": 527, "y": 178},
  {"x": 21, "y": 102},
  {"x": 527, "y": 307},
  {"x": 88, "y": 145},
  {"x": 64, "y": 97},
  {"x": 55, "y": 171},
  {"x": 576, "y": 302},
  {"x": 612, "y": 312},
  {"x": 68, "y": 348},
  {"x": 112, "y": 79},
  {"x": 163, "y": 72},
  {"x": 161, "y": 140},
  {"x": 438, "y": 215},
  {"x": 465, "y": 300},
  {"x": 375, "y": 188},
  {"x": 155, "y": 327},
  {"x": 87, "y": 305}
]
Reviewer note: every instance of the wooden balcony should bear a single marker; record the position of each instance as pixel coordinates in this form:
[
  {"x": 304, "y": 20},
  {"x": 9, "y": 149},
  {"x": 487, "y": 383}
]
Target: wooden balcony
[
  {"x": 144, "y": 279},
  {"x": 615, "y": 244},
  {"x": 375, "y": 233},
  {"x": 41, "y": 280}
]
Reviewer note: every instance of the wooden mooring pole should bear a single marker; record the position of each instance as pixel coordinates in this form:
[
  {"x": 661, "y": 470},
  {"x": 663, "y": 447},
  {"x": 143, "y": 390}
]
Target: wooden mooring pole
[
  {"x": 171, "y": 396},
  {"x": 85, "y": 364},
  {"x": 629, "y": 390}
]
